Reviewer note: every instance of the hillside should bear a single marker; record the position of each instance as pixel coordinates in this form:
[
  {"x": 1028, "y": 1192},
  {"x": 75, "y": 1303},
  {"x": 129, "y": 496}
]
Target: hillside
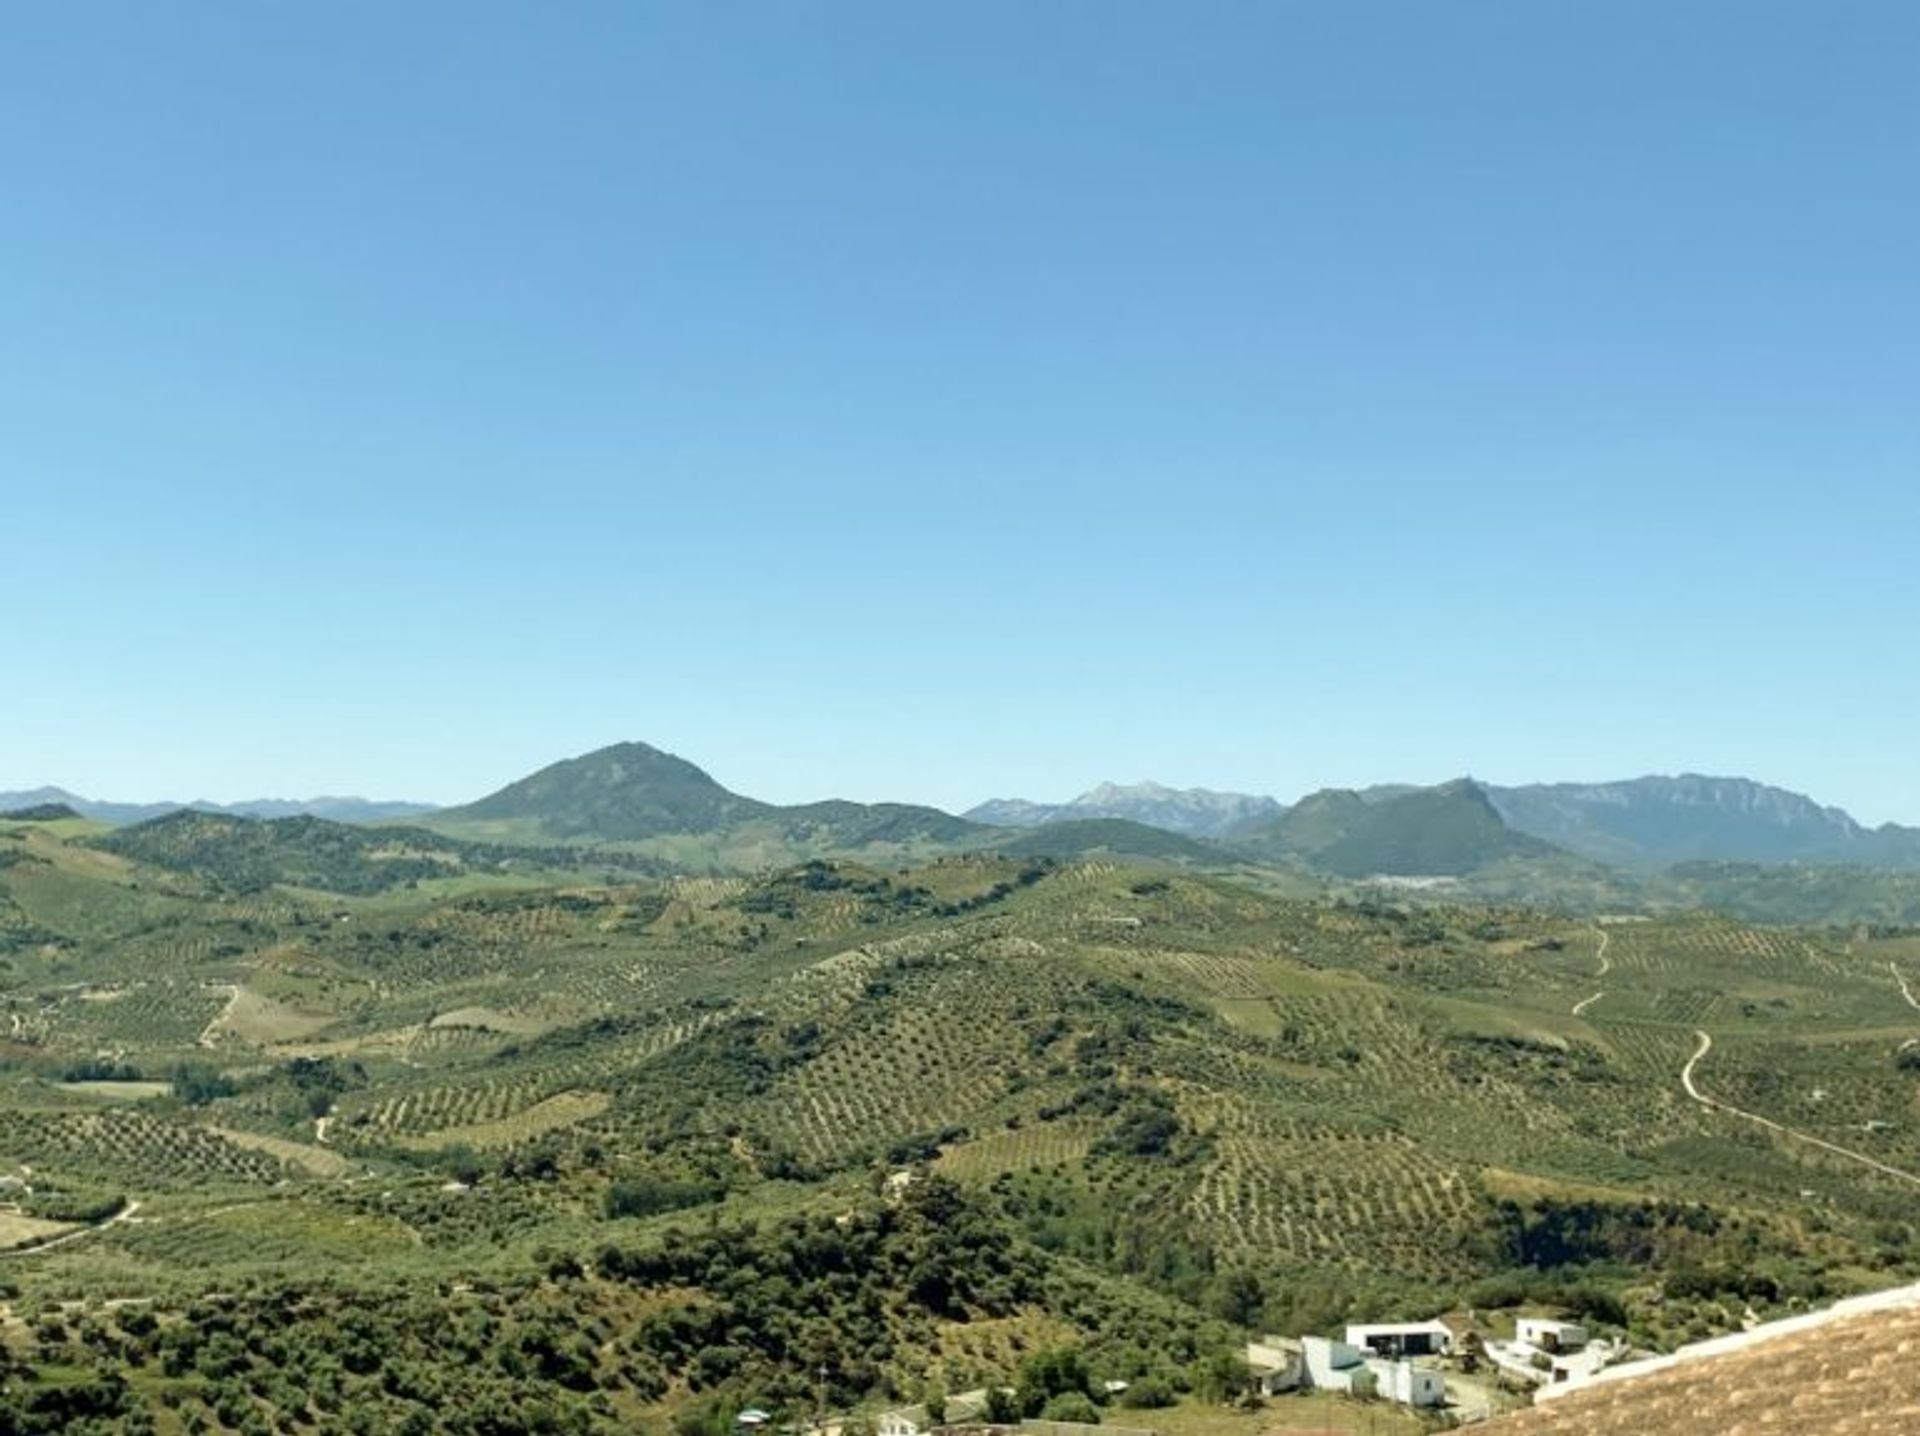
[
  {"x": 1450, "y": 830},
  {"x": 661, "y": 805},
  {"x": 1157, "y": 1094},
  {"x": 623, "y": 793},
  {"x": 39, "y": 813},
  {"x": 1658, "y": 821},
  {"x": 866, "y": 1289},
  {"x": 249, "y": 854},
  {"x": 1803, "y": 893},
  {"x": 1116, "y": 837},
  {"x": 1643, "y": 824},
  {"x": 657, "y": 808},
  {"x": 856, "y": 825}
]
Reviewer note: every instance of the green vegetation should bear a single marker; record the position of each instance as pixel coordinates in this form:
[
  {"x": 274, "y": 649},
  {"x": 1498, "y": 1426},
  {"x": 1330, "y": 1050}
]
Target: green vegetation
[
  {"x": 1449, "y": 830},
  {"x": 652, "y": 802},
  {"x": 1095, "y": 837},
  {"x": 583, "y": 1148},
  {"x": 40, "y": 813},
  {"x": 252, "y": 854}
]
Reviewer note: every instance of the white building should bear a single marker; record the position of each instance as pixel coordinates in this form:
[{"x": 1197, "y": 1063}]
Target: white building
[
  {"x": 1402, "y": 1338},
  {"x": 1321, "y": 1364},
  {"x": 1553, "y": 1353},
  {"x": 1335, "y": 1366},
  {"x": 1408, "y": 1384},
  {"x": 1549, "y": 1336},
  {"x": 900, "y": 1423}
]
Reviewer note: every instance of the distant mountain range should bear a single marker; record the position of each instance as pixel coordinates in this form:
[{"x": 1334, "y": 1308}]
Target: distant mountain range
[
  {"x": 339, "y": 810},
  {"x": 655, "y": 805},
  {"x": 1195, "y": 812},
  {"x": 1642, "y": 823},
  {"x": 1655, "y": 822}
]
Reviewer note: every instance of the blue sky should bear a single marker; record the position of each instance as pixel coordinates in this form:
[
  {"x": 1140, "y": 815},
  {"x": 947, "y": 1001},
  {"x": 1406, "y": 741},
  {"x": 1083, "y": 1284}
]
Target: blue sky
[{"x": 939, "y": 402}]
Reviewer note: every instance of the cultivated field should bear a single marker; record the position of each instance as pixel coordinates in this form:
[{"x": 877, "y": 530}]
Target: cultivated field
[{"x": 1290, "y": 1111}]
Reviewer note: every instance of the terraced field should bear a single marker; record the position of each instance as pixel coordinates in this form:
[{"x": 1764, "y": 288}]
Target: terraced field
[
  {"x": 1019, "y": 1149},
  {"x": 1163, "y": 1077}
]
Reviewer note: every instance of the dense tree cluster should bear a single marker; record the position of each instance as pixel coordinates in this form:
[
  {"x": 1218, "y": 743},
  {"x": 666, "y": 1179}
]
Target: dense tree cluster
[
  {"x": 781, "y": 1303},
  {"x": 834, "y": 1306}
]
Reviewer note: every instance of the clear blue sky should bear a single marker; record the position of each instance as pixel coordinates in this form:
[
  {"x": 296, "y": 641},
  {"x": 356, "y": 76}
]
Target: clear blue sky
[{"x": 943, "y": 401}]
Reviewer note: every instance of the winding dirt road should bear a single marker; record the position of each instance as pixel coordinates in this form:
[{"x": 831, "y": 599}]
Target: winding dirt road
[
  {"x": 1905, "y": 991},
  {"x": 73, "y": 1236},
  {"x": 1606, "y": 966},
  {"x": 210, "y": 1034},
  {"x": 1713, "y": 1104}
]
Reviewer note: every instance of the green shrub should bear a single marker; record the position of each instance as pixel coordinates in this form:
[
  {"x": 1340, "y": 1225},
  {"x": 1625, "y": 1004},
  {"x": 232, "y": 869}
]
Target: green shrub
[{"x": 1071, "y": 1406}]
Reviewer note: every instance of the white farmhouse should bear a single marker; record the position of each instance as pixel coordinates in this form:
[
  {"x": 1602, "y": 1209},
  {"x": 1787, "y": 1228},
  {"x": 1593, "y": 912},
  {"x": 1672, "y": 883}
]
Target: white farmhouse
[
  {"x": 1549, "y": 1336},
  {"x": 1319, "y": 1363},
  {"x": 1408, "y": 1384},
  {"x": 1335, "y": 1366},
  {"x": 1553, "y": 1353},
  {"x": 1402, "y": 1338}
]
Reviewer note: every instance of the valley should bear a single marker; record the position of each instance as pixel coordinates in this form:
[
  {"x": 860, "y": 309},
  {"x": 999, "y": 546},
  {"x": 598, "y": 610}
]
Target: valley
[{"x": 592, "y": 1141}]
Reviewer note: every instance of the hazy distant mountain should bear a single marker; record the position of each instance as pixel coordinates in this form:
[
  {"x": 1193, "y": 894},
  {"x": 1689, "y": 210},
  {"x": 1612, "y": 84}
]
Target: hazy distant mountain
[
  {"x": 339, "y": 810},
  {"x": 1196, "y": 812},
  {"x": 1657, "y": 821},
  {"x": 632, "y": 792},
  {"x": 1446, "y": 831}
]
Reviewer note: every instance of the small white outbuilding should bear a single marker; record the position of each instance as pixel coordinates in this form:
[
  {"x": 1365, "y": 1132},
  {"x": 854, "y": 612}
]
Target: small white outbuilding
[{"x": 1545, "y": 1334}]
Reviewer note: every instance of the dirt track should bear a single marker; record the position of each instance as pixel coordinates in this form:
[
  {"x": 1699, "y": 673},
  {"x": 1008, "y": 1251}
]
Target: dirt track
[
  {"x": 73, "y": 1236},
  {"x": 1713, "y": 1104},
  {"x": 1606, "y": 966}
]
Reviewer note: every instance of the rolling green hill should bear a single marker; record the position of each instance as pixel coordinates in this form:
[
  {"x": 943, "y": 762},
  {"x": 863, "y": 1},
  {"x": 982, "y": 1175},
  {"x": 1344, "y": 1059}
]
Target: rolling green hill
[
  {"x": 1116, "y": 837},
  {"x": 858, "y": 825},
  {"x": 40, "y": 813},
  {"x": 640, "y": 1143},
  {"x": 624, "y": 793},
  {"x": 655, "y": 803},
  {"x": 1815, "y": 894},
  {"x": 653, "y": 808},
  {"x": 249, "y": 854},
  {"x": 1450, "y": 830}
]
